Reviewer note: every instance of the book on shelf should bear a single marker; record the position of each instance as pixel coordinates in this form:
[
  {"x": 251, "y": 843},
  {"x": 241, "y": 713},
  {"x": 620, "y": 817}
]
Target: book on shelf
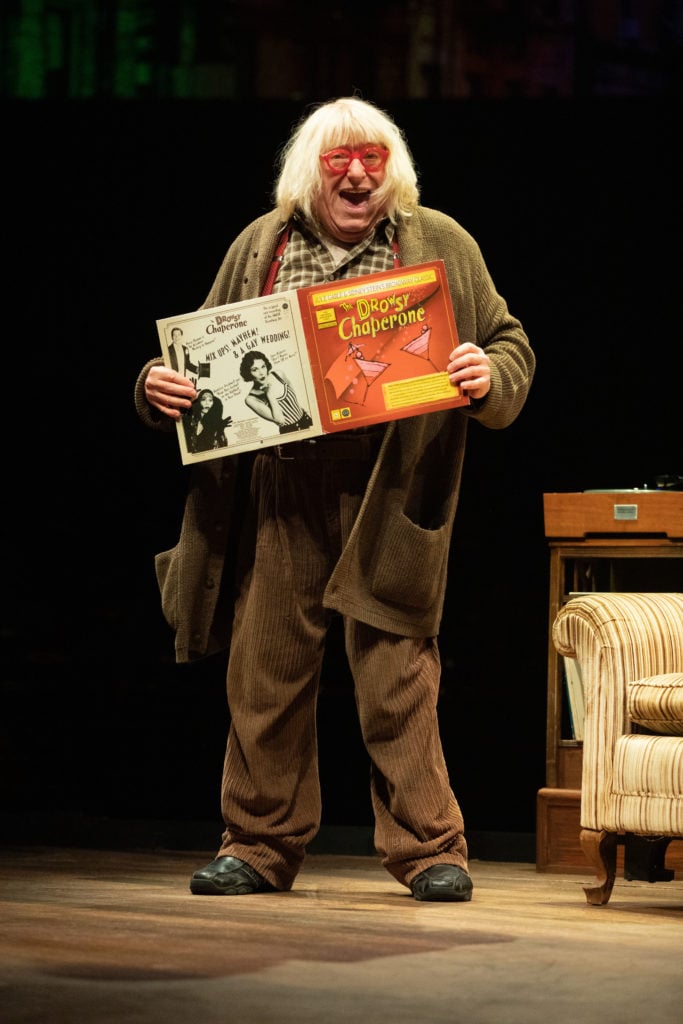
[
  {"x": 575, "y": 696},
  {"x": 311, "y": 361}
]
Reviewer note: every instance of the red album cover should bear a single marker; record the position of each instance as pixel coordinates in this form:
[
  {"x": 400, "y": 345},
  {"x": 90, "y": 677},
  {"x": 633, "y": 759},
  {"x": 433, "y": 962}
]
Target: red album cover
[{"x": 379, "y": 346}]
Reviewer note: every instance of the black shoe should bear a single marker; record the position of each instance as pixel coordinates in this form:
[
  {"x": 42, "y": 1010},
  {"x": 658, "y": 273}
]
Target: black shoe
[
  {"x": 228, "y": 876},
  {"x": 442, "y": 882}
]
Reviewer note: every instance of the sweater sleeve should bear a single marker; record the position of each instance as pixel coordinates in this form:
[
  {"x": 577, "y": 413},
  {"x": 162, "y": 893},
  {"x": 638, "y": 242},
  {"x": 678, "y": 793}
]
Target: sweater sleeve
[
  {"x": 513, "y": 362},
  {"x": 482, "y": 316},
  {"x": 245, "y": 266},
  {"x": 239, "y": 276}
]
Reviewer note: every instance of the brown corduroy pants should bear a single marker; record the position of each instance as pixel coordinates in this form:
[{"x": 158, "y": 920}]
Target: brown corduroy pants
[{"x": 303, "y": 511}]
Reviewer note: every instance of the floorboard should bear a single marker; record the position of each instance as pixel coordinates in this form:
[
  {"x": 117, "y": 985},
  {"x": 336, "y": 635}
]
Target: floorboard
[{"x": 111, "y": 936}]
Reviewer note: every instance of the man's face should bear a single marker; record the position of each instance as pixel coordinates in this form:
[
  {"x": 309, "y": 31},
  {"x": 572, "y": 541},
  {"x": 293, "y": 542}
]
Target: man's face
[{"x": 346, "y": 207}]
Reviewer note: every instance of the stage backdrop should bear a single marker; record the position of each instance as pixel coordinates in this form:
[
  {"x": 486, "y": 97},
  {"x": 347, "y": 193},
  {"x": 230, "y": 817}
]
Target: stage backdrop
[{"x": 120, "y": 214}]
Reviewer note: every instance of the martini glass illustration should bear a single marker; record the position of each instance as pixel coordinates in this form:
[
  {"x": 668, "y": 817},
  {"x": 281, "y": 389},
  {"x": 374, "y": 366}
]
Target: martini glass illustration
[
  {"x": 351, "y": 369},
  {"x": 420, "y": 346}
]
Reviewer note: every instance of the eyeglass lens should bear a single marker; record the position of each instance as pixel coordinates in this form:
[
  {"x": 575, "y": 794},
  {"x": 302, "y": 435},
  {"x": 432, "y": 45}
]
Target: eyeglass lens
[{"x": 371, "y": 157}]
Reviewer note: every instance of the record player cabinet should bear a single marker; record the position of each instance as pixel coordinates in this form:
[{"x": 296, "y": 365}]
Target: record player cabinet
[{"x": 598, "y": 541}]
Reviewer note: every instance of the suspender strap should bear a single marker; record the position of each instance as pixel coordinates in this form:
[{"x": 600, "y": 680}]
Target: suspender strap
[
  {"x": 394, "y": 247},
  {"x": 277, "y": 260}
]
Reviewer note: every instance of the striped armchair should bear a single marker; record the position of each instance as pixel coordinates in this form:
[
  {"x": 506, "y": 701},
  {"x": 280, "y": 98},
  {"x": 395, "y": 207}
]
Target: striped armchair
[{"x": 630, "y": 650}]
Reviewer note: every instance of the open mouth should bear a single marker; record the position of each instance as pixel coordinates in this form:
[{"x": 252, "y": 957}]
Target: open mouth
[{"x": 355, "y": 198}]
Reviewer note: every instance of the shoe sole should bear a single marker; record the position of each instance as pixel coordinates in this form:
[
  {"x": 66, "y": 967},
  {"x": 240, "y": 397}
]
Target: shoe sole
[
  {"x": 445, "y": 897},
  {"x": 205, "y": 887}
]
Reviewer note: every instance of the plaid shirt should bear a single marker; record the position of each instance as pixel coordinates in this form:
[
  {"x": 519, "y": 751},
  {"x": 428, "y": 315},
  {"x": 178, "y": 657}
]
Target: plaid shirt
[{"x": 308, "y": 261}]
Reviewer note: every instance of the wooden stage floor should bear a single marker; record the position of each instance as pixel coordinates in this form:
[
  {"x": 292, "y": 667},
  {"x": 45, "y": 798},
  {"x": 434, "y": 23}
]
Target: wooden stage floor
[{"x": 92, "y": 936}]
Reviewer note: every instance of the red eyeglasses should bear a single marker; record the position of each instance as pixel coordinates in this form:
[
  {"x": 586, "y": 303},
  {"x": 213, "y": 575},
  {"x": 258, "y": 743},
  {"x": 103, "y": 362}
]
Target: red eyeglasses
[{"x": 373, "y": 158}]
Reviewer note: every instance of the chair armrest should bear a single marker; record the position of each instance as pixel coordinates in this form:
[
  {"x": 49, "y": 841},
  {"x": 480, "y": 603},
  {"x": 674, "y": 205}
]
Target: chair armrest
[{"x": 616, "y": 638}]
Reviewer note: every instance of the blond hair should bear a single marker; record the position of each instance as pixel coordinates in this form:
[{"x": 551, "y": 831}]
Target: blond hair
[{"x": 347, "y": 121}]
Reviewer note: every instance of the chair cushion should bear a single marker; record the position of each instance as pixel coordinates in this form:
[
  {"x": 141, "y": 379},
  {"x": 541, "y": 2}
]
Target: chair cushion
[
  {"x": 647, "y": 768},
  {"x": 657, "y": 703}
]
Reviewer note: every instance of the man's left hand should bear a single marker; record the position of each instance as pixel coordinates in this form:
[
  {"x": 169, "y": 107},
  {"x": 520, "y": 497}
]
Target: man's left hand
[{"x": 470, "y": 369}]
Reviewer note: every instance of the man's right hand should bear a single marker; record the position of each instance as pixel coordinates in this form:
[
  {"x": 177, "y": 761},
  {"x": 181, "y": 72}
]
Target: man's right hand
[{"x": 168, "y": 391}]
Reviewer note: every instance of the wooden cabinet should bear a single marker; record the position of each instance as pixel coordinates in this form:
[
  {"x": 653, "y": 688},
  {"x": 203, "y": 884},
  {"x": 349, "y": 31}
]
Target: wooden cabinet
[{"x": 615, "y": 541}]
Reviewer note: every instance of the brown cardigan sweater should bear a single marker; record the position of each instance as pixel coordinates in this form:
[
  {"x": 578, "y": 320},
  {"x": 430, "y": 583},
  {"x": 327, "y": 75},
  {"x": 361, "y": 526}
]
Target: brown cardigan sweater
[{"x": 392, "y": 572}]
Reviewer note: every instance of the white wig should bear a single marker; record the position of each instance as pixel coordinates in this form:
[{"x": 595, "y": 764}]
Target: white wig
[{"x": 348, "y": 121}]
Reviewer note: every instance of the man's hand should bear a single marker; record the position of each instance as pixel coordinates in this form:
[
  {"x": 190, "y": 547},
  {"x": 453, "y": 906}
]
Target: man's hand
[
  {"x": 169, "y": 392},
  {"x": 470, "y": 369}
]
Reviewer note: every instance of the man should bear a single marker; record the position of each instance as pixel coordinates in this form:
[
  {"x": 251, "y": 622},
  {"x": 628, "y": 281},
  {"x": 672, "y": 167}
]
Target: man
[
  {"x": 180, "y": 358},
  {"x": 357, "y": 524}
]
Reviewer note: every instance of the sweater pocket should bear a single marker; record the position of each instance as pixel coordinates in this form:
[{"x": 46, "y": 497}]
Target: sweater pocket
[
  {"x": 408, "y": 565},
  {"x": 166, "y": 567}
]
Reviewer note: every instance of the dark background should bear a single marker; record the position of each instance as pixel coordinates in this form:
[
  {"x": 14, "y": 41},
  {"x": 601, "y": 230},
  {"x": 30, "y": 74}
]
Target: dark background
[{"x": 117, "y": 214}]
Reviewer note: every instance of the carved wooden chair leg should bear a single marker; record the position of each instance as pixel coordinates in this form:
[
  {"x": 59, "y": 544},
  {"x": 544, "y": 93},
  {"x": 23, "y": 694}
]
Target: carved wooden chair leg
[{"x": 601, "y": 850}]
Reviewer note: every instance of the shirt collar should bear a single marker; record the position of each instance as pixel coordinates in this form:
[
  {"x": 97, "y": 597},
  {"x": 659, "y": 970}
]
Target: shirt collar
[{"x": 384, "y": 229}]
